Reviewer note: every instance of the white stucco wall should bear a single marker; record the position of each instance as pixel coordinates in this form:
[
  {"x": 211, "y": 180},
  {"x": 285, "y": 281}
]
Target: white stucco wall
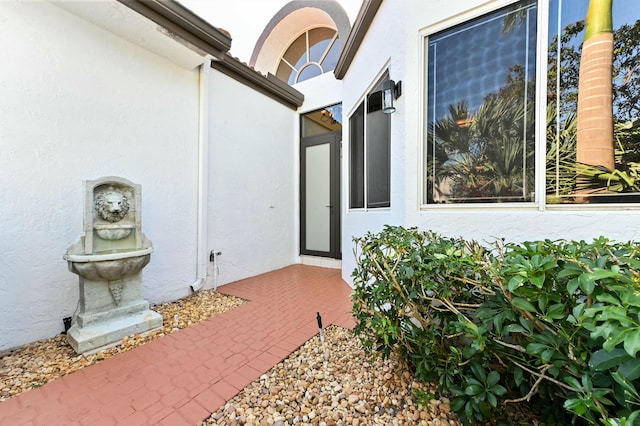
[
  {"x": 383, "y": 48},
  {"x": 253, "y": 185},
  {"x": 395, "y": 37},
  {"x": 319, "y": 92},
  {"x": 78, "y": 102}
]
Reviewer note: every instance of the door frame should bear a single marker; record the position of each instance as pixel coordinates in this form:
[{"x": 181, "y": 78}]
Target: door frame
[{"x": 335, "y": 246}]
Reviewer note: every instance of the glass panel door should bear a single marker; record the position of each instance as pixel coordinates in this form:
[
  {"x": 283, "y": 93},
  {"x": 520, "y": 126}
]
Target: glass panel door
[
  {"x": 321, "y": 134},
  {"x": 318, "y": 197}
]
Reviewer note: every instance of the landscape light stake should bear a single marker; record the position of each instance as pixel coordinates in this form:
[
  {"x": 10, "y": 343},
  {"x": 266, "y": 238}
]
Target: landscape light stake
[
  {"x": 319, "y": 318},
  {"x": 325, "y": 352}
]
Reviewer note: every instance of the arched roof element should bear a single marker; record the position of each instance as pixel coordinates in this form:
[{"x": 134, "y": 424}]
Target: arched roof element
[{"x": 293, "y": 19}]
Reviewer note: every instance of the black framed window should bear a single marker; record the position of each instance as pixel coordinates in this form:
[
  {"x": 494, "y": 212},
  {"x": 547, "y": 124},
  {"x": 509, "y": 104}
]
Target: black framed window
[{"x": 369, "y": 153}]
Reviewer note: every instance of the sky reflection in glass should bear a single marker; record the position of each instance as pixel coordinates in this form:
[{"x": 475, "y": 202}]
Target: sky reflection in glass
[{"x": 470, "y": 61}]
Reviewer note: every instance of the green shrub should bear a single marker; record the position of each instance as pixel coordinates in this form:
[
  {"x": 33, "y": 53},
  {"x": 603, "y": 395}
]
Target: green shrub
[{"x": 552, "y": 323}]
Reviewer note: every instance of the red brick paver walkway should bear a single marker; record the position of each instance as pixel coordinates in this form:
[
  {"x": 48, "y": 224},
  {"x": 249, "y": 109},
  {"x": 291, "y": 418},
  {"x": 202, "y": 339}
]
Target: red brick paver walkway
[{"x": 183, "y": 377}]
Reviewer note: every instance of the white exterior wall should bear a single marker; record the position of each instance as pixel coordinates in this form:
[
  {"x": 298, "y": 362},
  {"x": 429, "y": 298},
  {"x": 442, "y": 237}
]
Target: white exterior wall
[
  {"x": 382, "y": 48},
  {"x": 76, "y": 103},
  {"x": 253, "y": 185},
  {"x": 395, "y": 36},
  {"x": 320, "y": 92}
]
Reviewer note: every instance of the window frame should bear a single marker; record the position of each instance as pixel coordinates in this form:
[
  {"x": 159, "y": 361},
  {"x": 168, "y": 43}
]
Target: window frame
[
  {"x": 294, "y": 71},
  {"x": 539, "y": 202},
  {"x": 540, "y": 110},
  {"x": 362, "y": 103},
  {"x": 608, "y": 206}
]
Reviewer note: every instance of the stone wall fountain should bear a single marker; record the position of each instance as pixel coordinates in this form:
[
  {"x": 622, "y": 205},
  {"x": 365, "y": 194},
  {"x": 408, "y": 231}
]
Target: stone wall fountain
[{"x": 109, "y": 259}]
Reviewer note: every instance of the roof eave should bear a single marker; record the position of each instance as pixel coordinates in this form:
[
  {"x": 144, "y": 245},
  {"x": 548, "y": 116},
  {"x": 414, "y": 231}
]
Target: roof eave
[
  {"x": 180, "y": 21},
  {"x": 269, "y": 85},
  {"x": 360, "y": 27}
]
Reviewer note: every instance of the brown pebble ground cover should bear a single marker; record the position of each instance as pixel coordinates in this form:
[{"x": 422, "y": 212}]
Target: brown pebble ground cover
[{"x": 40, "y": 362}]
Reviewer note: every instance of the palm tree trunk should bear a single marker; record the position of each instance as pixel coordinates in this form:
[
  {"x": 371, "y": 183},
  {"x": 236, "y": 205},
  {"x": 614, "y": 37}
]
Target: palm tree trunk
[{"x": 595, "y": 107}]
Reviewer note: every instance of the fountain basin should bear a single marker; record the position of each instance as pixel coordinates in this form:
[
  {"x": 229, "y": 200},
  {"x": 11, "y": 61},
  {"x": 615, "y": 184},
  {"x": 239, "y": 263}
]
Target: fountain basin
[
  {"x": 109, "y": 266},
  {"x": 114, "y": 232}
]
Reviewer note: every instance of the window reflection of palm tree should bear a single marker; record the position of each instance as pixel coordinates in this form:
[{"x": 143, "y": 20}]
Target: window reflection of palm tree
[
  {"x": 487, "y": 155},
  {"x": 594, "y": 144},
  {"x": 482, "y": 156}
]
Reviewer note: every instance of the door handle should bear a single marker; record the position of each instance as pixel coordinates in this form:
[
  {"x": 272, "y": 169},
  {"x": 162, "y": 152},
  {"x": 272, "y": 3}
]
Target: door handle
[{"x": 329, "y": 206}]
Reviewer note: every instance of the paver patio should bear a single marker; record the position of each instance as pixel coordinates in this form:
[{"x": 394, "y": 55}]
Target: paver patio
[{"x": 183, "y": 377}]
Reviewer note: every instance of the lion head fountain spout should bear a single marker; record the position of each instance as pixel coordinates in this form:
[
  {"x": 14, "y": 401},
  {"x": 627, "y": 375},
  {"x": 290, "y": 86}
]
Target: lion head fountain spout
[
  {"x": 112, "y": 218},
  {"x": 109, "y": 259},
  {"x": 112, "y": 205}
]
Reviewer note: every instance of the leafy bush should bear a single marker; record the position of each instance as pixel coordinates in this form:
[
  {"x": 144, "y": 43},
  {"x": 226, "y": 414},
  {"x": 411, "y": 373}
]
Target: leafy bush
[{"x": 552, "y": 323}]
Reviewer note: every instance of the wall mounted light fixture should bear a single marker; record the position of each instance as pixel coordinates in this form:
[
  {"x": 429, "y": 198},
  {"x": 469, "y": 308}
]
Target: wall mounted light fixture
[{"x": 390, "y": 92}]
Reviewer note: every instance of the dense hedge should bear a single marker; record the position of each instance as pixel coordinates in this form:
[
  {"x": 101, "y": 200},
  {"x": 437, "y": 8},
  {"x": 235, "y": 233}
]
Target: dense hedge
[{"x": 552, "y": 323}]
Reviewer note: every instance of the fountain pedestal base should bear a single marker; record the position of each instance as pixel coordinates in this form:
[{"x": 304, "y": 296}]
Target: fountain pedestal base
[
  {"x": 99, "y": 335},
  {"x": 111, "y": 305}
]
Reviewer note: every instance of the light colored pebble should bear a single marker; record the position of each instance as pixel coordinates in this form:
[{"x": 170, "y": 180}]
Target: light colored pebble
[{"x": 338, "y": 385}]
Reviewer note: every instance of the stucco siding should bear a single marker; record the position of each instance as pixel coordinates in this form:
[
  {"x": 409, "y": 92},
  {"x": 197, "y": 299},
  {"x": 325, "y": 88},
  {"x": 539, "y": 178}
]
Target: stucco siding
[
  {"x": 253, "y": 182},
  {"x": 79, "y": 103},
  {"x": 382, "y": 48}
]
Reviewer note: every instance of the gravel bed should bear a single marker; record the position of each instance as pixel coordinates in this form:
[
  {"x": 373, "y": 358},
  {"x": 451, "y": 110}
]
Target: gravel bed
[
  {"x": 333, "y": 382},
  {"x": 37, "y": 363},
  {"x": 329, "y": 382},
  {"x": 325, "y": 382}
]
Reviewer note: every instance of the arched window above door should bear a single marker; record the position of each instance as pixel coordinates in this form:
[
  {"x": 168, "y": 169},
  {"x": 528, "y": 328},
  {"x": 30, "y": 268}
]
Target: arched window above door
[
  {"x": 313, "y": 53},
  {"x": 303, "y": 40}
]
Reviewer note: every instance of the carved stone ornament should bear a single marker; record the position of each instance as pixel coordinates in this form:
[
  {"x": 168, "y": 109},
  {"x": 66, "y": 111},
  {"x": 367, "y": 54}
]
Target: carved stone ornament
[
  {"x": 112, "y": 205},
  {"x": 115, "y": 288}
]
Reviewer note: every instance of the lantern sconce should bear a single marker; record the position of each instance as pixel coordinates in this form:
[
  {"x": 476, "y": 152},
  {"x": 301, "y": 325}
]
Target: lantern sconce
[{"x": 390, "y": 92}]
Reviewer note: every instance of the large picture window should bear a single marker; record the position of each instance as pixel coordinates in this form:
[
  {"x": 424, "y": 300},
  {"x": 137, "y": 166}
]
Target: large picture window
[
  {"x": 480, "y": 109},
  {"x": 369, "y": 153},
  {"x": 479, "y": 137},
  {"x": 593, "y": 102}
]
